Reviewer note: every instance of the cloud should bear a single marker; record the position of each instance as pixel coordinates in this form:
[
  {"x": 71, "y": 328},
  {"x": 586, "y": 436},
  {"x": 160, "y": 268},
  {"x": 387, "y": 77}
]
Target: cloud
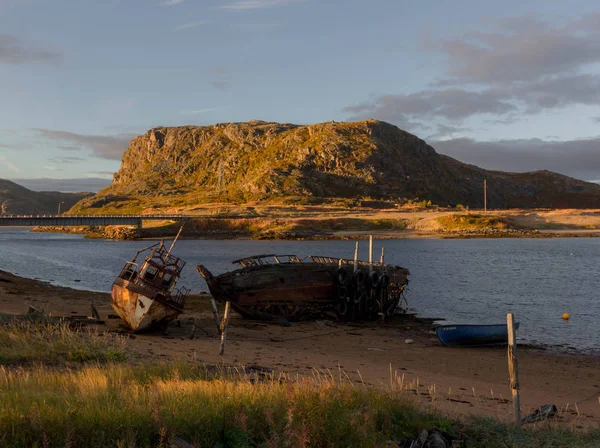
[
  {"x": 575, "y": 158},
  {"x": 64, "y": 185},
  {"x": 202, "y": 111},
  {"x": 103, "y": 146},
  {"x": 67, "y": 159},
  {"x": 8, "y": 164},
  {"x": 13, "y": 146},
  {"x": 445, "y": 132},
  {"x": 14, "y": 50},
  {"x": 517, "y": 66},
  {"x": 101, "y": 173},
  {"x": 221, "y": 84},
  {"x": 520, "y": 49},
  {"x": 221, "y": 77},
  {"x": 246, "y": 5},
  {"x": 189, "y": 25},
  {"x": 171, "y": 2},
  {"x": 451, "y": 104}
]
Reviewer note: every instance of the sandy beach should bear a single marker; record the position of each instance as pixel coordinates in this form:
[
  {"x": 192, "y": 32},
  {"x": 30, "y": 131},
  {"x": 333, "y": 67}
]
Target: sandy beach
[{"x": 466, "y": 381}]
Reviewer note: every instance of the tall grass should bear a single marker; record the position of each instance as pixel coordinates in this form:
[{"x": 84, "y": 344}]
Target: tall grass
[
  {"x": 121, "y": 405},
  {"x": 150, "y": 405},
  {"x": 40, "y": 339}
]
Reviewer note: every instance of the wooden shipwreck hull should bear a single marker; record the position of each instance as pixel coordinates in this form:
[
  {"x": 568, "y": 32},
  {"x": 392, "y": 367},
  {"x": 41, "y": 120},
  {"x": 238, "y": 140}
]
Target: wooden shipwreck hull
[
  {"x": 283, "y": 286},
  {"x": 145, "y": 293}
]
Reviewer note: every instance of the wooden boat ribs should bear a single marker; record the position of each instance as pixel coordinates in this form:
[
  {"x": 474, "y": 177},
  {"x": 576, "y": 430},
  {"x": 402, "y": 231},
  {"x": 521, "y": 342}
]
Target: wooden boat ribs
[{"x": 284, "y": 286}]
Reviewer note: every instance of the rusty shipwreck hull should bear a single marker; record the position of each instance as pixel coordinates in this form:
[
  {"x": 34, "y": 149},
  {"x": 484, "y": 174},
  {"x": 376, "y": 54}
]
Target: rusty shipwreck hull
[
  {"x": 292, "y": 289},
  {"x": 144, "y": 293},
  {"x": 140, "y": 307}
]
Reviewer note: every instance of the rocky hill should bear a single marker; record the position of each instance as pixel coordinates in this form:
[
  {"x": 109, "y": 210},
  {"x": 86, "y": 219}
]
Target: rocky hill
[
  {"x": 18, "y": 200},
  {"x": 242, "y": 162}
]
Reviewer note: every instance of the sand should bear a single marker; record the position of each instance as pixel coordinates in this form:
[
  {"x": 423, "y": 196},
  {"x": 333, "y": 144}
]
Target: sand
[{"x": 466, "y": 381}]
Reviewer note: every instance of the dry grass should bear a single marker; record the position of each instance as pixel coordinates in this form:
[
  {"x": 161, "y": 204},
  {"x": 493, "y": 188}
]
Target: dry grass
[
  {"x": 273, "y": 227},
  {"x": 472, "y": 222},
  {"x": 38, "y": 339},
  {"x": 152, "y": 404}
]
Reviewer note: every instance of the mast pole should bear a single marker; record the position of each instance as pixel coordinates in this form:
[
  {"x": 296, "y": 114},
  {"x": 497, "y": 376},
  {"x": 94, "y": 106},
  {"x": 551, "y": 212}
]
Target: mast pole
[{"x": 175, "y": 240}]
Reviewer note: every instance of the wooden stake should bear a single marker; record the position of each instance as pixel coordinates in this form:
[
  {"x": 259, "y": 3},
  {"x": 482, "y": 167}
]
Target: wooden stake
[
  {"x": 485, "y": 195},
  {"x": 224, "y": 328},
  {"x": 370, "y": 254},
  {"x": 215, "y": 312},
  {"x": 356, "y": 258},
  {"x": 95, "y": 313},
  {"x": 513, "y": 367}
]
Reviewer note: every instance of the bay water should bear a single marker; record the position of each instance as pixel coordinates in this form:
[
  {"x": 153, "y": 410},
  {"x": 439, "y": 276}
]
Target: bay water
[{"x": 472, "y": 281}]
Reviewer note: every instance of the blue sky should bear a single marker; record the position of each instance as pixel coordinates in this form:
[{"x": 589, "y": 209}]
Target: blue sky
[{"x": 505, "y": 85}]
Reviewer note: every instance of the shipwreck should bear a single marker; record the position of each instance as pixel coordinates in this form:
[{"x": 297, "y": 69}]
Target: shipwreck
[
  {"x": 276, "y": 286},
  {"x": 145, "y": 293}
]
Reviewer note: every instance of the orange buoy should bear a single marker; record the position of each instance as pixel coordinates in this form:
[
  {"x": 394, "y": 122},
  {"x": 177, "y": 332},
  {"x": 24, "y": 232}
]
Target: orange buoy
[{"x": 566, "y": 316}]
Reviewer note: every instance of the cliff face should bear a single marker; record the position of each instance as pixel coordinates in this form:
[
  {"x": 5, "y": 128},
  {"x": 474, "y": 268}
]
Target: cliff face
[
  {"x": 259, "y": 160},
  {"x": 18, "y": 200}
]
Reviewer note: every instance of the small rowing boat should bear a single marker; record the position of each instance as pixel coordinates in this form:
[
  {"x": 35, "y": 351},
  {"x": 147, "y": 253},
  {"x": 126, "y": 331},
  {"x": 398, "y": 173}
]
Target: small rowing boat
[{"x": 473, "y": 335}]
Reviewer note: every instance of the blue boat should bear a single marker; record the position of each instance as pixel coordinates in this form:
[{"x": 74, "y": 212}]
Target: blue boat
[{"x": 473, "y": 335}]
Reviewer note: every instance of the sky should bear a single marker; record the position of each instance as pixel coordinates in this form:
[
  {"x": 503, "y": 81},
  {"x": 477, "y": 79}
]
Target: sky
[{"x": 512, "y": 85}]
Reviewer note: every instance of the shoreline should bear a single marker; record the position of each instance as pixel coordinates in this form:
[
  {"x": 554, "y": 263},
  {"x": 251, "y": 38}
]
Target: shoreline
[
  {"x": 412, "y": 315},
  {"x": 112, "y": 233},
  {"x": 465, "y": 381},
  {"x": 335, "y": 223}
]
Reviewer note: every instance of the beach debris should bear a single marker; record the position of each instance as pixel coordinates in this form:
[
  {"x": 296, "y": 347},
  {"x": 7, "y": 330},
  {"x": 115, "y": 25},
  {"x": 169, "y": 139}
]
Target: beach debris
[
  {"x": 273, "y": 286},
  {"x": 95, "y": 313},
  {"x": 33, "y": 310},
  {"x": 436, "y": 438},
  {"x": 180, "y": 443},
  {"x": 144, "y": 293},
  {"x": 542, "y": 413},
  {"x": 409, "y": 341}
]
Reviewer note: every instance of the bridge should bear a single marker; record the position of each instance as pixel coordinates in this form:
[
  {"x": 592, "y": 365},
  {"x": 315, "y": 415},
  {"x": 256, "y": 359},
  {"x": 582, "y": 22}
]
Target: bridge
[{"x": 83, "y": 220}]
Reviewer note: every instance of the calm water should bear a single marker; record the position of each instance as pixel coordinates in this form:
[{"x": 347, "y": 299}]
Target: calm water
[{"x": 463, "y": 281}]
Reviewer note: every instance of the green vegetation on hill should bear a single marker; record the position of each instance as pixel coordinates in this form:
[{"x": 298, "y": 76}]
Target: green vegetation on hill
[
  {"x": 472, "y": 222},
  {"x": 181, "y": 167}
]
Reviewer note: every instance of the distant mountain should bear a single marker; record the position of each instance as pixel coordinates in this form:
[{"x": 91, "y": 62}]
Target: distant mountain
[
  {"x": 75, "y": 185},
  {"x": 242, "y": 162},
  {"x": 16, "y": 200}
]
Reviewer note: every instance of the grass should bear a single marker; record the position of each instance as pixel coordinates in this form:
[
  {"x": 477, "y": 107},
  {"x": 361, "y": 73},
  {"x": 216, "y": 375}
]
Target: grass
[
  {"x": 150, "y": 405},
  {"x": 272, "y": 227},
  {"x": 65, "y": 387},
  {"x": 472, "y": 222},
  {"x": 39, "y": 339}
]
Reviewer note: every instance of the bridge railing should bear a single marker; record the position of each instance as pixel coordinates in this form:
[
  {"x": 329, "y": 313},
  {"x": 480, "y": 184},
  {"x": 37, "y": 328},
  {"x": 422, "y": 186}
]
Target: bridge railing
[{"x": 96, "y": 216}]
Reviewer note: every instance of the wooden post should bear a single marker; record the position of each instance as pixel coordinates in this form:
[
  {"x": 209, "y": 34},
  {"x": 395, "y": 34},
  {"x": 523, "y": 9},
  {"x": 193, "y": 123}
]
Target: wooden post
[
  {"x": 215, "y": 312},
  {"x": 513, "y": 367},
  {"x": 485, "y": 195},
  {"x": 382, "y": 255},
  {"x": 356, "y": 258},
  {"x": 370, "y": 254},
  {"x": 95, "y": 313},
  {"x": 224, "y": 328}
]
